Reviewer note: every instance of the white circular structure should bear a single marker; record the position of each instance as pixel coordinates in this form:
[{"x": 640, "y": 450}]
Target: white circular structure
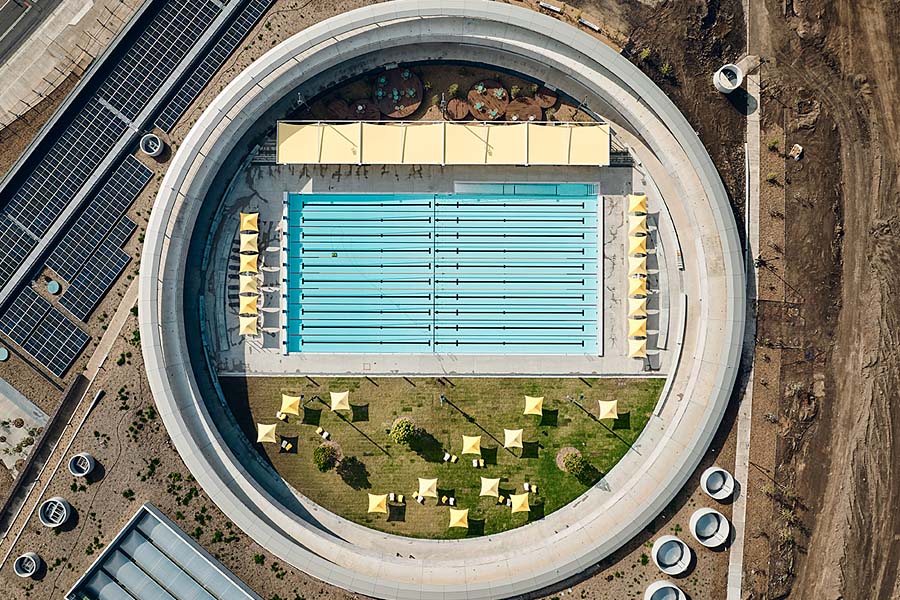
[
  {"x": 671, "y": 555},
  {"x": 151, "y": 145},
  {"x": 663, "y": 590},
  {"x": 323, "y": 544},
  {"x": 27, "y": 565},
  {"x": 728, "y": 78},
  {"x": 710, "y": 527},
  {"x": 717, "y": 483},
  {"x": 54, "y": 512},
  {"x": 81, "y": 464}
]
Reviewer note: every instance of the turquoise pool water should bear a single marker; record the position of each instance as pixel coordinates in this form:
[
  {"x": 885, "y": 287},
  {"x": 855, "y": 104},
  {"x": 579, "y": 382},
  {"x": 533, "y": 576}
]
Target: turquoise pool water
[{"x": 491, "y": 269}]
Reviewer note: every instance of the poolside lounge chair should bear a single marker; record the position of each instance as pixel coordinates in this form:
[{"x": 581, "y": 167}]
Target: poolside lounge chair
[
  {"x": 391, "y": 496},
  {"x": 401, "y": 498},
  {"x": 319, "y": 431},
  {"x": 509, "y": 501},
  {"x": 420, "y": 499},
  {"x": 280, "y": 416},
  {"x": 444, "y": 499},
  {"x": 527, "y": 486},
  {"x": 475, "y": 462},
  {"x": 452, "y": 501},
  {"x": 446, "y": 456},
  {"x": 480, "y": 463},
  {"x": 325, "y": 435},
  {"x": 454, "y": 458},
  {"x": 501, "y": 499}
]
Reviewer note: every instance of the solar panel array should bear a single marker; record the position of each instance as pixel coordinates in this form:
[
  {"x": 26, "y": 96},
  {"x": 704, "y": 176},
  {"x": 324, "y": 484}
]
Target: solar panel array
[
  {"x": 94, "y": 280},
  {"x": 43, "y": 331},
  {"x": 211, "y": 62}
]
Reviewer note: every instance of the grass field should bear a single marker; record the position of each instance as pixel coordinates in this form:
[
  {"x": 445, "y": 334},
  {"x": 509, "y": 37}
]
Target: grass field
[{"x": 474, "y": 406}]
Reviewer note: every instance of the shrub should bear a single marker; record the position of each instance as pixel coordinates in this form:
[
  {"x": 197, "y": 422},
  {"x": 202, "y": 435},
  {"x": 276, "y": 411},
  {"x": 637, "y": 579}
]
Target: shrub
[
  {"x": 773, "y": 145},
  {"x": 404, "y": 431},
  {"x": 772, "y": 178},
  {"x": 453, "y": 90},
  {"x": 644, "y": 55},
  {"x": 665, "y": 69},
  {"x": 579, "y": 467},
  {"x": 324, "y": 457},
  {"x": 259, "y": 559},
  {"x": 514, "y": 92}
]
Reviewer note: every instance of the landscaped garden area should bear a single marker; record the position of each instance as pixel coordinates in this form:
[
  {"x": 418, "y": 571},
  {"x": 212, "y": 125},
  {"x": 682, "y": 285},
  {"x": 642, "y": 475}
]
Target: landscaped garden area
[{"x": 397, "y": 430}]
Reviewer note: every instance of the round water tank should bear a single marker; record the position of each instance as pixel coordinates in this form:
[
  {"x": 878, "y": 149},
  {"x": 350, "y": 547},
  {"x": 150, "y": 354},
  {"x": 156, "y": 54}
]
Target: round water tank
[
  {"x": 728, "y": 78},
  {"x": 27, "y": 564},
  {"x": 81, "y": 464},
  {"x": 151, "y": 145},
  {"x": 54, "y": 512}
]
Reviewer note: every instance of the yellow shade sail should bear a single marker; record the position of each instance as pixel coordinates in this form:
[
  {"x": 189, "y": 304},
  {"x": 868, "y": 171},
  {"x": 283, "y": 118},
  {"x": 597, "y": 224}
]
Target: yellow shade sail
[
  {"x": 465, "y": 143},
  {"x": 428, "y": 488},
  {"x": 290, "y": 405},
  {"x": 248, "y": 325},
  {"x": 378, "y": 503},
  {"x": 637, "y": 265},
  {"x": 490, "y": 487},
  {"x": 637, "y": 307},
  {"x": 637, "y": 348},
  {"x": 340, "y": 400},
  {"x": 459, "y": 518},
  {"x": 471, "y": 444},
  {"x": 519, "y": 502},
  {"x": 512, "y": 438},
  {"x": 534, "y": 405},
  {"x": 637, "y": 245},
  {"x": 266, "y": 433},
  {"x": 637, "y": 328},
  {"x": 250, "y": 242},
  {"x": 637, "y": 224},
  {"x": 248, "y": 284},
  {"x": 609, "y": 409},
  {"x": 248, "y": 305},
  {"x": 248, "y": 263},
  {"x": 637, "y": 286},
  {"x": 250, "y": 222},
  {"x": 637, "y": 203}
]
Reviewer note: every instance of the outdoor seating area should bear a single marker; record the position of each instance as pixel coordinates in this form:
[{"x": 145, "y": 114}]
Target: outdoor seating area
[
  {"x": 248, "y": 261},
  {"x": 638, "y": 236}
]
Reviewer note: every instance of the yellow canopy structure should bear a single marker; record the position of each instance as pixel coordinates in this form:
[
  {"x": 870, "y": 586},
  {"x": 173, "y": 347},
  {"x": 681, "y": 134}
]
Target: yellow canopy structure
[
  {"x": 637, "y": 245},
  {"x": 248, "y": 263},
  {"x": 637, "y": 307},
  {"x": 248, "y": 305},
  {"x": 609, "y": 409},
  {"x": 520, "y": 502},
  {"x": 248, "y": 325},
  {"x": 250, "y": 242},
  {"x": 637, "y": 328},
  {"x": 471, "y": 444},
  {"x": 290, "y": 405},
  {"x": 378, "y": 503},
  {"x": 250, "y": 222},
  {"x": 637, "y": 224},
  {"x": 637, "y": 348},
  {"x": 637, "y": 265},
  {"x": 428, "y": 488},
  {"x": 266, "y": 433},
  {"x": 637, "y": 286},
  {"x": 512, "y": 438},
  {"x": 340, "y": 400},
  {"x": 534, "y": 405},
  {"x": 459, "y": 518},
  {"x": 248, "y": 285},
  {"x": 490, "y": 487},
  {"x": 637, "y": 203}
]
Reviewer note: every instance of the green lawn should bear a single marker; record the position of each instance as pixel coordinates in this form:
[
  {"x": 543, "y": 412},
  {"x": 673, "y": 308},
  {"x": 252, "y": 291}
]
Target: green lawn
[{"x": 477, "y": 406}]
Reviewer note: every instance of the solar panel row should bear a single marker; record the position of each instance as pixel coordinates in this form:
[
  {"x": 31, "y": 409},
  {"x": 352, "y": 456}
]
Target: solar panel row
[
  {"x": 101, "y": 217},
  {"x": 211, "y": 62},
  {"x": 15, "y": 245},
  {"x": 94, "y": 280}
]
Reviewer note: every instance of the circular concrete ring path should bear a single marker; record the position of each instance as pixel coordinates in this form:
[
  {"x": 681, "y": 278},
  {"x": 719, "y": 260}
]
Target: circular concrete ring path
[{"x": 565, "y": 543}]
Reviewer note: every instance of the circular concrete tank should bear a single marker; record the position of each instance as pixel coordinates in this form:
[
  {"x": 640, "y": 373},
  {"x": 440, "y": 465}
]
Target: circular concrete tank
[
  {"x": 82, "y": 464},
  {"x": 54, "y": 512},
  {"x": 710, "y": 527},
  {"x": 27, "y": 565},
  {"x": 663, "y": 590},
  {"x": 728, "y": 78},
  {"x": 671, "y": 555},
  {"x": 151, "y": 145},
  {"x": 717, "y": 483}
]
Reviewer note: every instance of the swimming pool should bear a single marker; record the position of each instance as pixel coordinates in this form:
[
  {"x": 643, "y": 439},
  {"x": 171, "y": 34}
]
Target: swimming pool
[{"x": 489, "y": 269}]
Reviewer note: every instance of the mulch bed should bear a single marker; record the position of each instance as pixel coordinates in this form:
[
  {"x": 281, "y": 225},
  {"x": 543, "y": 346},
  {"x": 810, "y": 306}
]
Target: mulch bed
[
  {"x": 457, "y": 109},
  {"x": 488, "y": 100},
  {"x": 524, "y": 109},
  {"x": 398, "y": 93},
  {"x": 545, "y": 98},
  {"x": 562, "y": 454},
  {"x": 364, "y": 110}
]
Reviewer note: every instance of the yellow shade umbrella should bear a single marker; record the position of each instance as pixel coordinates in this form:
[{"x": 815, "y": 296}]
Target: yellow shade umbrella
[
  {"x": 340, "y": 400},
  {"x": 250, "y": 242},
  {"x": 637, "y": 328},
  {"x": 290, "y": 405},
  {"x": 520, "y": 502},
  {"x": 471, "y": 444},
  {"x": 534, "y": 405},
  {"x": 609, "y": 409},
  {"x": 637, "y": 265},
  {"x": 378, "y": 503},
  {"x": 266, "y": 433},
  {"x": 249, "y": 285},
  {"x": 490, "y": 487},
  {"x": 637, "y": 348},
  {"x": 512, "y": 438},
  {"x": 637, "y": 286},
  {"x": 248, "y": 325},
  {"x": 459, "y": 518},
  {"x": 637, "y": 224},
  {"x": 637, "y": 245},
  {"x": 637, "y": 203},
  {"x": 428, "y": 488},
  {"x": 249, "y": 221},
  {"x": 248, "y": 305},
  {"x": 248, "y": 263},
  {"x": 637, "y": 307}
]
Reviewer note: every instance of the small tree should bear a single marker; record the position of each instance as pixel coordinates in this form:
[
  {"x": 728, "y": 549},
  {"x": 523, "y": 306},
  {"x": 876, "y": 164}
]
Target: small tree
[
  {"x": 453, "y": 90},
  {"x": 324, "y": 457},
  {"x": 665, "y": 69},
  {"x": 514, "y": 92},
  {"x": 644, "y": 55},
  {"x": 578, "y": 466},
  {"x": 404, "y": 431}
]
